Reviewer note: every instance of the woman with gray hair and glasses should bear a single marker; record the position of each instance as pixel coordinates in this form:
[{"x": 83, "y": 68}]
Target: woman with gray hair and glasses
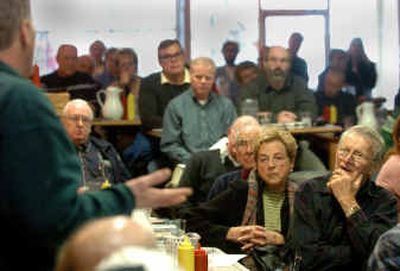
[{"x": 339, "y": 217}]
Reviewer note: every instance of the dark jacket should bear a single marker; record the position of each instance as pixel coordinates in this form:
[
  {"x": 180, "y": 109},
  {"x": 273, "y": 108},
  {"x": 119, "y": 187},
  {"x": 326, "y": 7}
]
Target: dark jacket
[
  {"x": 101, "y": 161},
  {"x": 299, "y": 67},
  {"x": 345, "y": 104},
  {"x": 79, "y": 85},
  {"x": 200, "y": 173},
  {"x": 365, "y": 79},
  {"x": 294, "y": 97},
  {"x": 154, "y": 98},
  {"x": 222, "y": 183},
  {"x": 326, "y": 239},
  {"x": 213, "y": 219},
  {"x": 40, "y": 174}
]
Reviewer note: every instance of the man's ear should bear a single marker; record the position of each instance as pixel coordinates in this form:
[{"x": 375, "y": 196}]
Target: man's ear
[{"x": 27, "y": 34}]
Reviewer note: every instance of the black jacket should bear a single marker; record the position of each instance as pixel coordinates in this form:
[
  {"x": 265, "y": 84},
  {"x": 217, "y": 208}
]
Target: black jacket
[
  {"x": 326, "y": 239},
  {"x": 213, "y": 219},
  {"x": 201, "y": 171},
  {"x": 94, "y": 168}
]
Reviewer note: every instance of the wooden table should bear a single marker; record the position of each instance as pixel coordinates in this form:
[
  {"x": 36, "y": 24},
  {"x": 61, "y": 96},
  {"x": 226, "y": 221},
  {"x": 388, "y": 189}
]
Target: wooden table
[
  {"x": 105, "y": 122},
  {"x": 324, "y": 137},
  {"x": 316, "y": 130},
  {"x": 294, "y": 131}
]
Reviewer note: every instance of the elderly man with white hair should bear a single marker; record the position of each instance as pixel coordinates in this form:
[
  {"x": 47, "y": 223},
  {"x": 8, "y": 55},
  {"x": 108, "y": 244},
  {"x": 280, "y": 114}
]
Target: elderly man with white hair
[
  {"x": 100, "y": 162},
  {"x": 196, "y": 119},
  {"x": 339, "y": 217}
]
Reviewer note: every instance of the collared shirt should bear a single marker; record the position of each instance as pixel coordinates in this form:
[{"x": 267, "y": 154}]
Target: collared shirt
[
  {"x": 189, "y": 127},
  {"x": 294, "y": 96},
  {"x": 154, "y": 98},
  {"x": 165, "y": 80},
  {"x": 326, "y": 239}
]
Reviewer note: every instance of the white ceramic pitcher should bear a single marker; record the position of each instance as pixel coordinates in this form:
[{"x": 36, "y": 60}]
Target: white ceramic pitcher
[
  {"x": 366, "y": 115},
  {"x": 112, "y": 107}
]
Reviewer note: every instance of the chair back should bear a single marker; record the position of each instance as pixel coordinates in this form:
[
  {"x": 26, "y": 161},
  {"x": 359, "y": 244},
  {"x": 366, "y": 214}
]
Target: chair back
[{"x": 59, "y": 100}]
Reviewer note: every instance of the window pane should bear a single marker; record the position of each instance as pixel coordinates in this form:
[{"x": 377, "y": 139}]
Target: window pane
[
  {"x": 140, "y": 25},
  {"x": 213, "y": 22},
  {"x": 290, "y": 4},
  {"x": 377, "y": 25},
  {"x": 279, "y": 28}
]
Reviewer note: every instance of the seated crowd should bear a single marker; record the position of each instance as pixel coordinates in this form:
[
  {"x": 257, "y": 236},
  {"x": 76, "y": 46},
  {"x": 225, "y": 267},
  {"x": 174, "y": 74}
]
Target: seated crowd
[{"x": 246, "y": 189}]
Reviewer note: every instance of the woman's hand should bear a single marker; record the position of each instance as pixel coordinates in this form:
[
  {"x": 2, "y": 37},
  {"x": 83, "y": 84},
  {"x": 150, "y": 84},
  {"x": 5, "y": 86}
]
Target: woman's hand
[{"x": 254, "y": 235}]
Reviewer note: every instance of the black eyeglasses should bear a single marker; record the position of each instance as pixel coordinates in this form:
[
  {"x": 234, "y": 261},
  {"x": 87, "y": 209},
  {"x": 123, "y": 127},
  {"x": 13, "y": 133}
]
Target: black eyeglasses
[
  {"x": 76, "y": 118},
  {"x": 169, "y": 57},
  {"x": 356, "y": 156}
]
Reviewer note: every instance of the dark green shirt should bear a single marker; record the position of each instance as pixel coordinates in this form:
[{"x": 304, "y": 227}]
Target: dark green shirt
[
  {"x": 294, "y": 96},
  {"x": 40, "y": 175}
]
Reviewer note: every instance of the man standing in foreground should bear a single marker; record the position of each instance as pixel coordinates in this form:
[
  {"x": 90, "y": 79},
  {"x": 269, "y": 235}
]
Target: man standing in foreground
[
  {"x": 40, "y": 171},
  {"x": 339, "y": 217}
]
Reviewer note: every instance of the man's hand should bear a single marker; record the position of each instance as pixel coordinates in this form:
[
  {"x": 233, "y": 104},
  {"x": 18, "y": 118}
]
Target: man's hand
[
  {"x": 344, "y": 186},
  {"x": 124, "y": 78},
  {"x": 254, "y": 235},
  {"x": 151, "y": 197},
  {"x": 286, "y": 116}
]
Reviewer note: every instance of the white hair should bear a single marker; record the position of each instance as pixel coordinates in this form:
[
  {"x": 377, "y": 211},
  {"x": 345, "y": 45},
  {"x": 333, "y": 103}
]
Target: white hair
[
  {"x": 77, "y": 102},
  {"x": 206, "y": 61},
  {"x": 372, "y": 136}
]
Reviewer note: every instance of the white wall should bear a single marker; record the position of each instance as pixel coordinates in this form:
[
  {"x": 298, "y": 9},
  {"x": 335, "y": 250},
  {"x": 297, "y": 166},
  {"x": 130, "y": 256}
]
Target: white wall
[{"x": 142, "y": 24}]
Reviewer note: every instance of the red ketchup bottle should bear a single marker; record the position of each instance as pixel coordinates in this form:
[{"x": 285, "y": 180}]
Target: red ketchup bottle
[{"x": 200, "y": 259}]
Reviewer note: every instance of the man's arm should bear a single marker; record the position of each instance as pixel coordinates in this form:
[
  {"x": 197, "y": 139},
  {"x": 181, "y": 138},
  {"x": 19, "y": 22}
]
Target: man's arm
[
  {"x": 171, "y": 139},
  {"x": 41, "y": 174},
  {"x": 192, "y": 177},
  {"x": 385, "y": 254},
  {"x": 317, "y": 253},
  {"x": 363, "y": 230},
  {"x": 148, "y": 108},
  {"x": 305, "y": 101},
  {"x": 229, "y": 115},
  {"x": 121, "y": 172},
  {"x": 213, "y": 219}
]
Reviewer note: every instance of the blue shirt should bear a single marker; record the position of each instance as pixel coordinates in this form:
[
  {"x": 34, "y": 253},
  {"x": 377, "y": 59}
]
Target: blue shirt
[{"x": 189, "y": 126}]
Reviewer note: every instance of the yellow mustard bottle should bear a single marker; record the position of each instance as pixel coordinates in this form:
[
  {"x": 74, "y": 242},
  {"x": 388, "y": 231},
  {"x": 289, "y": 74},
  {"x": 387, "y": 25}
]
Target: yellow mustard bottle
[
  {"x": 130, "y": 105},
  {"x": 186, "y": 255},
  {"x": 333, "y": 115}
]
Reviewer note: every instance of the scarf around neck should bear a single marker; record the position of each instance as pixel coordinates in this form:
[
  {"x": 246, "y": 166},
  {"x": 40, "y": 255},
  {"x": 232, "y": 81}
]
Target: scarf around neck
[{"x": 250, "y": 211}]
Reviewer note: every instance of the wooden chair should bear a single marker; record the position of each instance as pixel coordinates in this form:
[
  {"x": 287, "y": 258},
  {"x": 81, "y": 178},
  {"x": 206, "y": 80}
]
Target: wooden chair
[{"x": 59, "y": 100}]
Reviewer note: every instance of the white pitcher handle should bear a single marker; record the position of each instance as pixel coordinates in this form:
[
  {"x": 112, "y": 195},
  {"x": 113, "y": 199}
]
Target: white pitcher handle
[
  {"x": 98, "y": 96},
  {"x": 359, "y": 111}
]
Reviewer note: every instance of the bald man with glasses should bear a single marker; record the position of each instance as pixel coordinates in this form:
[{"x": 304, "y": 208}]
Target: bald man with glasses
[{"x": 101, "y": 164}]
